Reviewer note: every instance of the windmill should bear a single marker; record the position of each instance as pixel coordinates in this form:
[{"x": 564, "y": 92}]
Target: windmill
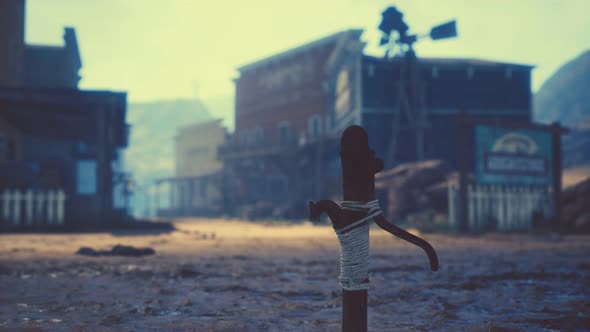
[{"x": 409, "y": 109}]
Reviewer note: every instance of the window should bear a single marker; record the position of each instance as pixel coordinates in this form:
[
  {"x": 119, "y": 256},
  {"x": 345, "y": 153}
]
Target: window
[
  {"x": 435, "y": 72},
  {"x": 343, "y": 95},
  {"x": 508, "y": 73},
  {"x": 82, "y": 147},
  {"x": 258, "y": 135},
  {"x": 3, "y": 148},
  {"x": 314, "y": 126},
  {"x": 284, "y": 132},
  {"x": 86, "y": 177},
  {"x": 470, "y": 72},
  {"x": 371, "y": 70},
  {"x": 244, "y": 137},
  {"x": 277, "y": 187}
]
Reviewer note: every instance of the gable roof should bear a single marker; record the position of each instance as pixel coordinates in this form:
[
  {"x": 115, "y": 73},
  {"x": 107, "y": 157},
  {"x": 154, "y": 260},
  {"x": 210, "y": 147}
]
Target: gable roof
[{"x": 333, "y": 38}]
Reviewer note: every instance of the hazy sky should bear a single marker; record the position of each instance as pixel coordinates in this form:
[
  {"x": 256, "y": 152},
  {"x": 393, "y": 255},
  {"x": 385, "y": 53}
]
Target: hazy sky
[{"x": 157, "y": 49}]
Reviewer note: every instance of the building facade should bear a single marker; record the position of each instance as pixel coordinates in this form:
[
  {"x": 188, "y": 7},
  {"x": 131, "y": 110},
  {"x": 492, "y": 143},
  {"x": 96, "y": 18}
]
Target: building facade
[
  {"x": 38, "y": 66},
  {"x": 53, "y": 135},
  {"x": 393, "y": 108},
  {"x": 195, "y": 189},
  {"x": 63, "y": 139},
  {"x": 281, "y": 115},
  {"x": 291, "y": 109}
]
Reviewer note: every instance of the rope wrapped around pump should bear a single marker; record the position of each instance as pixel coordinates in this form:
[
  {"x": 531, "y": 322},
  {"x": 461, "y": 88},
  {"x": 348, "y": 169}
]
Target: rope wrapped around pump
[
  {"x": 351, "y": 221},
  {"x": 354, "y": 239},
  {"x": 354, "y": 245}
]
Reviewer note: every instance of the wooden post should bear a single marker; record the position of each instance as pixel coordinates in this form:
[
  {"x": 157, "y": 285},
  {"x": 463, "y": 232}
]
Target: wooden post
[
  {"x": 557, "y": 168},
  {"x": 462, "y": 140},
  {"x": 451, "y": 206},
  {"x": 29, "y": 206},
  {"x": 502, "y": 193},
  {"x": 157, "y": 199},
  {"x": 5, "y": 206},
  {"x": 359, "y": 167},
  {"x": 471, "y": 209},
  {"x": 16, "y": 198},
  {"x": 39, "y": 198},
  {"x": 356, "y": 186},
  {"x": 61, "y": 199},
  {"x": 51, "y": 207}
]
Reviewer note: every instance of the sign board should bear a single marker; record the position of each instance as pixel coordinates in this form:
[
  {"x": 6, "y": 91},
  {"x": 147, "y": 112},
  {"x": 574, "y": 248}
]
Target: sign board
[
  {"x": 343, "y": 99},
  {"x": 86, "y": 177},
  {"x": 506, "y": 155}
]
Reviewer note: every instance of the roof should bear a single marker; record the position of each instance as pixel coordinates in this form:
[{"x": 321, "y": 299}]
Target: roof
[
  {"x": 459, "y": 62},
  {"x": 33, "y": 122},
  {"x": 66, "y": 96},
  {"x": 213, "y": 123},
  {"x": 298, "y": 50},
  {"x": 65, "y": 113},
  {"x": 53, "y": 66},
  {"x": 209, "y": 176}
]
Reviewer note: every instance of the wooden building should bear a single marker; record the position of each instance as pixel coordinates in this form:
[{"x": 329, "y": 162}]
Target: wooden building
[
  {"x": 53, "y": 135},
  {"x": 281, "y": 113},
  {"x": 39, "y": 66},
  {"x": 292, "y": 107},
  {"x": 444, "y": 89},
  {"x": 195, "y": 188},
  {"x": 63, "y": 139}
]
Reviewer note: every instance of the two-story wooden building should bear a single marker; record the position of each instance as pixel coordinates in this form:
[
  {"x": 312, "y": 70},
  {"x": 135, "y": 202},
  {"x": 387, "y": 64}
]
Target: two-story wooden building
[
  {"x": 292, "y": 107},
  {"x": 63, "y": 139},
  {"x": 54, "y": 136},
  {"x": 281, "y": 112},
  {"x": 195, "y": 188},
  {"x": 371, "y": 92}
]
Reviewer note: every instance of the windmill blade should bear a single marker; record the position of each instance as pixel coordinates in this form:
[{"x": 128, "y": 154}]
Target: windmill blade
[{"x": 445, "y": 30}]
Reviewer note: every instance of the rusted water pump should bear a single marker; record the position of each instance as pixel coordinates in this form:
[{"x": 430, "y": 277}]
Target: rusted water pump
[{"x": 351, "y": 220}]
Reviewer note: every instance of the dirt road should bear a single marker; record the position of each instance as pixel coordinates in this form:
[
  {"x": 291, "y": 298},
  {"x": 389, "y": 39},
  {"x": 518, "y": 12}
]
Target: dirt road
[{"x": 220, "y": 275}]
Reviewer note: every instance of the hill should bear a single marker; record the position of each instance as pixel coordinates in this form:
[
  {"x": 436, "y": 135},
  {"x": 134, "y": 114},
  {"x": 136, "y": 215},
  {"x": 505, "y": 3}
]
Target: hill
[
  {"x": 565, "y": 97},
  {"x": 150, "y": 154}
]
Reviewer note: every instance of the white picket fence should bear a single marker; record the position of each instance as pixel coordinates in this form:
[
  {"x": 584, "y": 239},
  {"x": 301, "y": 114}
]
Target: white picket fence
[
  {"x": 500, "y": 208},
  {"x": 30, "y": 208}
]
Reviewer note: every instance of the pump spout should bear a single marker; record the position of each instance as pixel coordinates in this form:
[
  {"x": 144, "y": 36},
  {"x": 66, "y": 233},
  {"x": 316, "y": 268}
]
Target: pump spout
[{"x": 331, "y": 208}]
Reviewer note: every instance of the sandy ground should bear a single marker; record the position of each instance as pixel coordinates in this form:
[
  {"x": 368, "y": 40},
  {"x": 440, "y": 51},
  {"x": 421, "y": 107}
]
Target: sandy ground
[
  {"x": 214, "y": 275},
  {"x": 575, "y": 175}
]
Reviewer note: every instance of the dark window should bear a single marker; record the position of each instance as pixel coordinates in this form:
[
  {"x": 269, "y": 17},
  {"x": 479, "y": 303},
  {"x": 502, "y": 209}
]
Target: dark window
[
  {"x": 315, "y": 125},
  {"x": 4, "y": 153},
  {"x": 284, "y": 132}
]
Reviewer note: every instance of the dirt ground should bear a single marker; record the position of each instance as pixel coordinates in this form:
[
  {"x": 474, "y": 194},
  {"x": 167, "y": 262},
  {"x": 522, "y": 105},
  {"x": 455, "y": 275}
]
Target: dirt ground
[{"x": 221, "y": 275}]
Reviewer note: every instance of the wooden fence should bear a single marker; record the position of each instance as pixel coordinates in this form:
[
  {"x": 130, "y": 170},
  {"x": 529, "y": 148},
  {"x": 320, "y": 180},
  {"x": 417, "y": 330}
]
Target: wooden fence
[
  {"x": 500, "y": 208},
  {"x": 29, "y": 208}
]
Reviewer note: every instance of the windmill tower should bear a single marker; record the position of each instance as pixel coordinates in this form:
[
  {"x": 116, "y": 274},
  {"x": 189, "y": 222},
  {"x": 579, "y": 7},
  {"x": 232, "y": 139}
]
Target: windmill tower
[{"x": 409, "y": 113}]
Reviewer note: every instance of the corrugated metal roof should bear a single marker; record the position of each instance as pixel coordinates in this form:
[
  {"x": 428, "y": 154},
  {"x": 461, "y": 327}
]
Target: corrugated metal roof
[
  {"x": 459, "y": 62},
  {"x": 299, "y": 49}
]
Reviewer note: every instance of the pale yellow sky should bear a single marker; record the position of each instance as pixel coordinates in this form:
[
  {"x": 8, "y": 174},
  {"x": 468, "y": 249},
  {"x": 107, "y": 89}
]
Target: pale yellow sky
[{"x": 157, "y": 49}]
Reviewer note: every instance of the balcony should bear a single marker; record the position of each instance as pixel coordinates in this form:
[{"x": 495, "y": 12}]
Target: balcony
[{"x": 233, "y": 151}]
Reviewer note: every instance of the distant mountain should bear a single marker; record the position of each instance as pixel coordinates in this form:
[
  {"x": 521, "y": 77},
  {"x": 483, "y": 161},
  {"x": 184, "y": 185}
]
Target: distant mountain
[
  {"x": 150, "y": 154},
  {"x": 576, "y": 147},
  {"x": 153, "y": 127},
  {"x": 565, "y": 97},
  {"x": 222, "y": 108}
]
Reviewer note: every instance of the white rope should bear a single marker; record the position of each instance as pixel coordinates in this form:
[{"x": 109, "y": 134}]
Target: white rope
[{"x": 354, "y": 246}]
